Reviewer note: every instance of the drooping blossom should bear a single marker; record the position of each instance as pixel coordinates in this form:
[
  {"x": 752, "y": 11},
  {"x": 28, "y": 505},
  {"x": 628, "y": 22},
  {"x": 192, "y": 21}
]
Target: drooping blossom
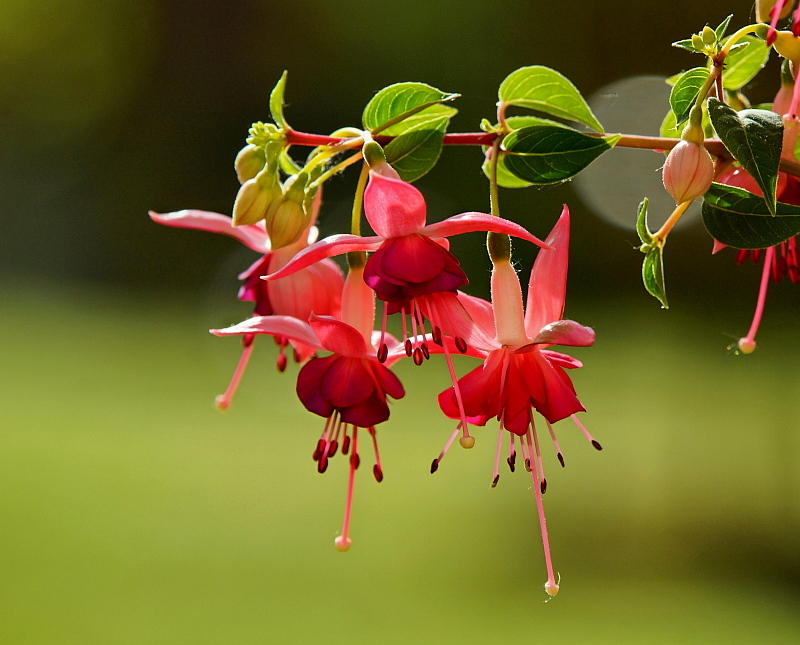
[
  {"x": 350, "y": 388},
  {"x": 520, "y": 374},
  {"x": 782, "y": 259},
  {"x": 411, "y": 269},
  {"x": 317, "y": 288}
]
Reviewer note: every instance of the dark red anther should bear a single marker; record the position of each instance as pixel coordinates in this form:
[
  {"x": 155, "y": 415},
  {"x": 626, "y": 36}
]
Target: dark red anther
[
  {"x": 332, "y": 448},
  {"x": 248, "y": 339},
  {"x": 383, "y": 353},
  {"x": 418, "y": 357},
  {"x": 319, "y": 450},
  {"x": 355, "y": 461},
  {"x": 434, "y": 466},
  {"x": 377, "y": 473},
  {"x": 346, "y": 445},
  {"x": 425, "y": 351},
  {"x": 596, "y": 445},
  {"x": 407, "y": 346},
  {"x": 461, "y": 344},
  {"x": 543, "y": 486},
  {"x": 528, "y": 465},
  {"x": 741, "y": 256},
  {"x": 561, "y": 459},
  {"x": 322, "y": 465},
  {"x": 295, "y": 355},
  {"x": 437, "y": 336},
  {"x": 495, "y": 480},
  {"x": 281, "y": 362},
  {"x": 512, "y": 461},
  {"x": 755, "y": 254}
]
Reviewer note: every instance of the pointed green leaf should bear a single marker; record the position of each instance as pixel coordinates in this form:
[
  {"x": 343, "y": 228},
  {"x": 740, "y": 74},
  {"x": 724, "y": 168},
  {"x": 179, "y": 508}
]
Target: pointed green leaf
[
  {"x": 743, "y": 64},
  {"x": 398, "y": 102},
  {"x": 723, "y": 27},
  {"x": 685, "y": 44},
  {"x": 418, "y": 142},
  {"x": 669, "y": 129},
  {"x": 276, "y": 102},
  {"x": 741, "y": 219},
  {"x": 684, "y": 92},
  {"x": 754, "y": 138},
  {"x": 653, "y": 265},
  {"x": 543, "y": 89},
  {"x": 547, "y": 154}
]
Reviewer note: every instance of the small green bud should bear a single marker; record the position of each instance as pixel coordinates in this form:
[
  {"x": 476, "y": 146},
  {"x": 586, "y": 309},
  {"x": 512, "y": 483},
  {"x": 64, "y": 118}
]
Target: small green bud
[
  {"x": 287, "y": 219},
  {"x": 255, "y": 197},
  {"x": 373, "y": 154},
  {"x": 697, "y": 42},
  {"x": 708, "y": 36},
  {"x": 249, "y": 162}
]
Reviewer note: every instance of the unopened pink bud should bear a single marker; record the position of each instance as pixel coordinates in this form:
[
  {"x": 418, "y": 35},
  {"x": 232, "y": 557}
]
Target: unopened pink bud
[{"x": 688, "y": 171}]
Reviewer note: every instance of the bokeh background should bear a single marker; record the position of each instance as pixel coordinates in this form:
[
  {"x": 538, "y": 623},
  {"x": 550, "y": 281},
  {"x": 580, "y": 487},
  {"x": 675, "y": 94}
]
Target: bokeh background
[{"x": 132, "y": 512}]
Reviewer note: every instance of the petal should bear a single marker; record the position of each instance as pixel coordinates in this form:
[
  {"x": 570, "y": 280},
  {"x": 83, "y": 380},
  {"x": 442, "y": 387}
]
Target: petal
[
  {"x": 315, "y": 289},
  {"x": 550, "y": 388},
  {"x": 286, "y": 326},
  {"x": 548, "y": 284},
  {"x": 347, "y": 382},
  {"x": 367, "y": 413},
  {"x": 445, "y": 311},
  {"x": 387, "y": 381},
  {"x": 393, "y": 207},
  {"x": 472, "y": 221},
  {"x": 309, "y": 389},
  {"x": 330, "y": 246},
  {"x": 565, "y": 332},
  {"x": 563, "y": 360},
  {"x": 338, "y": 337},
  {"x": 480, "y": 311},
  {"x": 251, "y": 235}
]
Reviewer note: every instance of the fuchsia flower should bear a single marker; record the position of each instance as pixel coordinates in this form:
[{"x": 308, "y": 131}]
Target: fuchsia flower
[
  {"x": 411, "y": 268},
  {"x": 317, "y": 288},
  {"x": 350, "y": 387},
  {"x": 520, "y": 374}
]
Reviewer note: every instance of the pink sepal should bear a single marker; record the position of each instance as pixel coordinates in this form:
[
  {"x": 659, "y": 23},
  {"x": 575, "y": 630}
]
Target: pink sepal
[
  {"x": 565, "y": 332},
  {"x": 548, "y": 283},
  {"x": 330, "y": 246},
  {"x": 393, "y": 207},
  {"x": 338, "y": 337},
  {"x": 274, "y": 326},
  {"x": 251, "y": 235},
  {"x": 473, "y": 221},
  {"x": 564, "y": 360}
]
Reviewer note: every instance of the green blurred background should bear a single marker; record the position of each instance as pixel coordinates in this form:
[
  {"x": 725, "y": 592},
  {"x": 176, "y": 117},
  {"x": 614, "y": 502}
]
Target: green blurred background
[{"x": 132, "y": 512}]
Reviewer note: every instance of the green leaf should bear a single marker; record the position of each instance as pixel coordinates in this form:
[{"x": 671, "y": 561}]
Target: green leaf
[
  {"x": 398, "y": 102},
  {"x": 505, "y": 177},
  {"x": 685, "y": 44},
  {"x": 669, "y": 128},
  {"x": 754, "y": 138},
  {"x": 418, "y": 142},
  {"x": 543, "y": 89},
  {"x": 742, "y": 65},
  {"x": 684, "y": 92},
  {"x": 653, "y": 265},
  {"x": 723, "y": 27},
  {"x": 548, "y": 154},
  {"x": 276, "y": 103},
  {"x": 741, "y": 219}
]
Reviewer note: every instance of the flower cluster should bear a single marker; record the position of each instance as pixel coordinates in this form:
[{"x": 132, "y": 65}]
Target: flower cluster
[{"x": 302, "y": 300}]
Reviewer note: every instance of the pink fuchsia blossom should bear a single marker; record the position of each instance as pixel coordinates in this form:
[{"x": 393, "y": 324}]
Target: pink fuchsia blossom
[
  {"x": 520, "y": 373},
  {"x": 411, "y": 268},
  {"x": 317, "y": 288},
  {"x": 350, "y": 388}
]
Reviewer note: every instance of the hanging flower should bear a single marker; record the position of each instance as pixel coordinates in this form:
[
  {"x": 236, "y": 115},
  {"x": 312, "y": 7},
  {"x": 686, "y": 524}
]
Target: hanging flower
[
  {"x": 520, "y": 374},
  {"x": 350, "y": 388},
  {"x": 317, "y": 288}
]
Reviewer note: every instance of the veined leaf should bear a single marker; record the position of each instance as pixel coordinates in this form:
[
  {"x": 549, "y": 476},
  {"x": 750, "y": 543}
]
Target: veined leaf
[
  {"x": 653, "y": 265},
  {"x": 742, "y": 220},
  {"x": 754, "y": 138},
  {"x": 543, "y": 89},
  {"x": 418, "y": 142},
  {"x": 742, "y": 65},
  {"x": 684, "y": 92},
  {"x": 548, "y": 154},
  {"x": 398, "y": 102}
]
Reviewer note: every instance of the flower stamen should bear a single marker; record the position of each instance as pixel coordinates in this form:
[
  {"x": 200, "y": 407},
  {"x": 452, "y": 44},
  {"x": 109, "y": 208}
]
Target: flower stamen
[{"x": 223, "y": 401}]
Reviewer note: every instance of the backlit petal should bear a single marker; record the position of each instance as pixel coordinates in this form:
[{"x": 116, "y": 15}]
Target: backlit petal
[
  {"x": 252, "y": 235},
  {"x": 473, "y": 221},
  {"x": 393, "y": 207}
]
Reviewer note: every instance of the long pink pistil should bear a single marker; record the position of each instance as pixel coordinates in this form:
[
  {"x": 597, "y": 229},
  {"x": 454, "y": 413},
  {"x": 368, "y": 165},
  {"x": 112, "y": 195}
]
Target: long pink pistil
[
  {"x": 747, "y": 345},
  {"x": 551, "y": 586},
  {"x": 343, "y": 542},
  {"x": 223, "y": 401}
]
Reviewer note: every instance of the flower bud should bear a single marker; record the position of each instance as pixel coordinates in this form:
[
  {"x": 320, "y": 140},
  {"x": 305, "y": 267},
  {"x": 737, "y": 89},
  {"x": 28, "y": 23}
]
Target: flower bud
[
  {"x": 255, "y": 197},
  {"x": 688, "y": 171},
  {"x": 787, "y": 45},
  {"x": 708, "y": 36},
  {"x": 286, "y": 219},
  {"x": 764, "y": 9},
  {"x": 249, "y": 162}
]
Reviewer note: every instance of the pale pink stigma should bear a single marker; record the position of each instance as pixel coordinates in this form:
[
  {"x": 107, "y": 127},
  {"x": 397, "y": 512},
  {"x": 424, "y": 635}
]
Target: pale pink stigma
[{"x": 551, "y": 586}]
